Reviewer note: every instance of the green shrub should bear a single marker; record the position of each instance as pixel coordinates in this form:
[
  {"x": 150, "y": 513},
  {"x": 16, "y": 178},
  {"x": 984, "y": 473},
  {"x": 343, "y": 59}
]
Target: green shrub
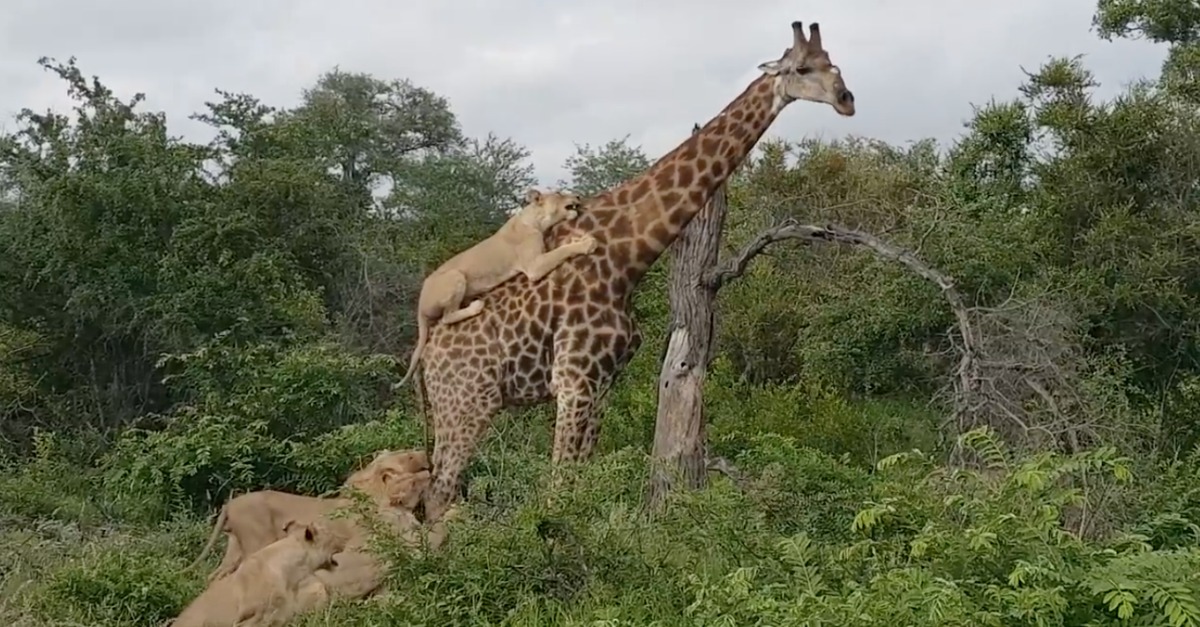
[
  {"x": 799, "y": 489},
  {"x": 127, "y": 582}
]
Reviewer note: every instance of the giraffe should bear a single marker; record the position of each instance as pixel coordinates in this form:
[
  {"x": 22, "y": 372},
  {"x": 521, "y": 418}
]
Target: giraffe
[{"x": 568, "y": 336}]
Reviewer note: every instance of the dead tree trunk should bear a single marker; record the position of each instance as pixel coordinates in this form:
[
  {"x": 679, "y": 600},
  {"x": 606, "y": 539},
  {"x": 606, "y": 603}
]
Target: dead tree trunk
[{"x": 679, "y": 451}]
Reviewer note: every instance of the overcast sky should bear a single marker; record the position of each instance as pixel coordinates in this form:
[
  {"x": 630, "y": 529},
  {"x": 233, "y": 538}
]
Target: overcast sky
[{"x": 552, "y": 73}]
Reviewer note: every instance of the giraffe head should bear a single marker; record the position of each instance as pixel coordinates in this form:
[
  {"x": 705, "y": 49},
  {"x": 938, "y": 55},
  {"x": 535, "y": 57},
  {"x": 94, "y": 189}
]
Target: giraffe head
[{"x": 804, "y": 72}]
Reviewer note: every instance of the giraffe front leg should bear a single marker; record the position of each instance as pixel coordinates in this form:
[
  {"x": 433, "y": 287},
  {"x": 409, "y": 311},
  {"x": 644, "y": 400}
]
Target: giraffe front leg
[
  {"x": 584, "y": 372},
  {"x": 574, "y": 405}
]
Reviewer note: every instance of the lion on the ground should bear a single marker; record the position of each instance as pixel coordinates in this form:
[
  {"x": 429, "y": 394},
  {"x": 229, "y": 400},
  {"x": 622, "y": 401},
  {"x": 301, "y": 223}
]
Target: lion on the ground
[
  {"x": 358, "y": 574},
  {"x": 517, "y": 247},
  {"x": 368, "y": 479},
  {"x": 255, "y": 519},
  {"x": 264, "y": 590}
]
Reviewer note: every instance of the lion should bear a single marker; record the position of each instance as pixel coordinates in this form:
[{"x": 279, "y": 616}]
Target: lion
[
  {"x": 256, "y": 519},
  {"x": 266, "y": 587},
  {"x": 358, "y": 573},
  {"x": 518, "y": 247},
  {"x": 368, "y": 478}
]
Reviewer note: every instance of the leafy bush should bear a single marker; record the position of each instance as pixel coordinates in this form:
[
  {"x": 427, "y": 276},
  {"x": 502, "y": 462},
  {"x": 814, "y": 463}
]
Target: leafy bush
[{"x": 120, "y": 583}]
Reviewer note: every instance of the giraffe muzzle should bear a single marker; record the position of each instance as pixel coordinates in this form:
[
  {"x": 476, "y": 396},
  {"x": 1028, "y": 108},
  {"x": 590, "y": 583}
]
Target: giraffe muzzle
[{"x": 845, "y": 103}]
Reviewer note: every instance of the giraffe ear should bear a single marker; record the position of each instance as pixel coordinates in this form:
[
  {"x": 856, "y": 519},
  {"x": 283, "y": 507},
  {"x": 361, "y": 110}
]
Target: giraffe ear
[{"x": 771, "y": 67}]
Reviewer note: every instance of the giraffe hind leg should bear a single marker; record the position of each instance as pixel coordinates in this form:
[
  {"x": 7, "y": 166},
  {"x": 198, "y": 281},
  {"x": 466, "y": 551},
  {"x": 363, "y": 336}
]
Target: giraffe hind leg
[{"x": 459, "y": 424}]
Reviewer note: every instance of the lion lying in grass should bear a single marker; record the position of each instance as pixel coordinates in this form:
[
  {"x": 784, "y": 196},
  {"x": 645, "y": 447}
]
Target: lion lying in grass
[
  {"x": 393, "y": 480},
  {"x": 255, "y": 522},
  {"x": 264, "y": 590},
  {"x": 518, "y": 247}
]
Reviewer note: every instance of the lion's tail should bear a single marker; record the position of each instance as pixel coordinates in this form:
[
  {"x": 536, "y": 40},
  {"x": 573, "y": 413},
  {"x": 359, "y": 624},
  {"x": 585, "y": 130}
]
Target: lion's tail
[{"x": 212, "y": 537}]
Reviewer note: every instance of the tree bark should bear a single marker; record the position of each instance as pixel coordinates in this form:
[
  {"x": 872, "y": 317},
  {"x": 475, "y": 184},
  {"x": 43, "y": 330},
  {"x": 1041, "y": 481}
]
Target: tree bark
[{"x": 680, "y": 448}]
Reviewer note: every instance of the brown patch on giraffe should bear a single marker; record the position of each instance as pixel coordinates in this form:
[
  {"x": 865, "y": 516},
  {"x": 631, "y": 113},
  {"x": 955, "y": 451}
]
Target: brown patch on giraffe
[
  {"x": 709, "y": 146},
  {"x": 622, "y": 196},
  {"x": 593, "y": 310},
  {"x": 619, "y": 286},
  {"x": 601, "y": 219},
  {"x": 574, "y": 291},
  {"x": 659, "y": 234},
  {"x": 600, "y": 342},
  {"x": 665, "y": 176},
  {"x": 670, "y": 201},
  {"x": 622, "y": 227},
  {"x": 640, "y": 191},
  {"x": 602, "y": 268},
  {"x": 707, "y": 181},
  {"x": 575, "y": 315},
  {"x": 645, "y": 254},
  {"x": 607, "y": 361},
  {"x": 690, "y": 151},
  {"x": 619, "y": 253},
  {"x": 718, "y": 169},
  {"x": 686, "y": 176}
]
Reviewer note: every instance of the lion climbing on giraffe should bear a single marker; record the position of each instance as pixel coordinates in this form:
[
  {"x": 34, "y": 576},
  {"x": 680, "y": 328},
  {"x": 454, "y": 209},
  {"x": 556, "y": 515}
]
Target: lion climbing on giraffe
[
  {"x": 567, "y": 338},
  {"x": 517, "y": 247}
]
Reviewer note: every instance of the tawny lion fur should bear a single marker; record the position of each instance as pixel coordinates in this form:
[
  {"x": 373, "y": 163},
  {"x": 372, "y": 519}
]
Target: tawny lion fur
[
  {"x": 264, "y": 591},
  {"x": 368, "y": 478},
  {"x": 256, "y": 519},
  {"x": 358, "y": 574},
  {"x": 517, "y": 247}
]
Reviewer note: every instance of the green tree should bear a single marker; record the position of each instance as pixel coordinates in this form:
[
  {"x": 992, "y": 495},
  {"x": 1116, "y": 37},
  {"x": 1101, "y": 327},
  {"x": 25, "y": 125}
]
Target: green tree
[
  {"x": 595, "y": 169},
  {"x": 1174, "y": 22}
]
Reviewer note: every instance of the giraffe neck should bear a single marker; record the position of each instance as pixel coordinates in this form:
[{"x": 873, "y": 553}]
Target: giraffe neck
[{"x": 653, "y": 209}]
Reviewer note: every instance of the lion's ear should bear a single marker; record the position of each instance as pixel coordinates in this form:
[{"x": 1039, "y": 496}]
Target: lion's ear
[
  {"x": 309, "y": 533},
  {"x": 532, "y": 196}
]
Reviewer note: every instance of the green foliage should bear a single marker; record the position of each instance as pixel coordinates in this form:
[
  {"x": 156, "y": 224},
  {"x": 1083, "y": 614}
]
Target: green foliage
[
  {"x": 183, "y": 322},
  {"x": 808, "y": 541},
  {"x": 594, "y": 170},
  {"x": 124, "y": 585}
]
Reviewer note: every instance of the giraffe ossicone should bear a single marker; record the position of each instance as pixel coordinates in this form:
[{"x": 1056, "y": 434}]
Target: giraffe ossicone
[{"x": 568, "y": 337}]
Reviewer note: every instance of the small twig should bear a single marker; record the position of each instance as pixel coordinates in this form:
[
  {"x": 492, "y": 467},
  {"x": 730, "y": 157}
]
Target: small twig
[{"x": 722, "y": 465}]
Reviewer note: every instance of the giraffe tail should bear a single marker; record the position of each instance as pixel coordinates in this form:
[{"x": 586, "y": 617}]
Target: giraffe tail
[{"x": 422, "y": 336}]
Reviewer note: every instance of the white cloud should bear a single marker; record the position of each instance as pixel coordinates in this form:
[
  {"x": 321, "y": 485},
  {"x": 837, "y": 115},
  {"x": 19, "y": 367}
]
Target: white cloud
[{"x": 551, "y": 74}]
